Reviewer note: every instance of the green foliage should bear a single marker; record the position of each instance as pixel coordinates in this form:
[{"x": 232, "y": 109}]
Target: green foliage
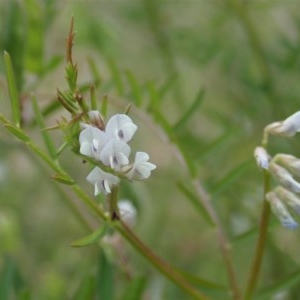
[{"x": 201, "y": 80}]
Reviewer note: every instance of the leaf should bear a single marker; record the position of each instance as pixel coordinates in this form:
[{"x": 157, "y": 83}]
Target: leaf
[
  {"x": 91, "y": 238},
  {"x": 166, "y": 86},
  {"x": 203, "y": 282},
  {"x": 283, "y": 284},
  {"x": 12, "y": 36},
  {"x": 86, "y": 289},
  {"x": 192, "y": 109},
  {"x": 196, "y": 202},
  {"x": 116, "y": 76},
  {"x": 233, "y": 175},
  {"x": 34, "y": 38},
  {"x": 6, "y": 279},
  {"x": 135, "y": 288},
  {"x": 135, "y": 87},
  {"x": 13, "y": 92},
  {"x": 40, "y": 121},
  {"x": 105, "y": 279},
  {"x": 17, "y": 132},
  {"x": 63, "y": 179}
]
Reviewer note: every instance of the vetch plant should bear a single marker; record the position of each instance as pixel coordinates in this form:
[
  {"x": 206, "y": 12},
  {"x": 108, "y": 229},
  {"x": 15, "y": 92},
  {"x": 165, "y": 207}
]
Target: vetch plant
[{"x": 104, "y": 148}]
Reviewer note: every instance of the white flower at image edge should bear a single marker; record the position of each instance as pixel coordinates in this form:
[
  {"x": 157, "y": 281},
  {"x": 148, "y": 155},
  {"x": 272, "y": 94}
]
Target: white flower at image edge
[
  {"x": 141, "y": 168},
  {"x": 120, "y": 126},
  {"x": 102, "y": 181}
]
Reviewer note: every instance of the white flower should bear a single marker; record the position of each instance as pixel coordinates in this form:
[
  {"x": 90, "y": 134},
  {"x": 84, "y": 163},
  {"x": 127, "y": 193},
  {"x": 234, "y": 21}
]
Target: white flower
[
  {"x": 289, "y": 127},
  {"x": 120, "y": 126},
  {"x": 115, "y": 154},
  {"x": 291, "y": 199},
  {"x": 290, "y": 162},
  {"x": 127, "y": 212},
  {"x": 284, "y": 177},
  {"x": 102, "y": 181},
  {"x": 141, "y": 168},
  {"x": 92, "y": 140},
  {"x": 262, "y": 157},
  {"x": 280, "y": 211}
]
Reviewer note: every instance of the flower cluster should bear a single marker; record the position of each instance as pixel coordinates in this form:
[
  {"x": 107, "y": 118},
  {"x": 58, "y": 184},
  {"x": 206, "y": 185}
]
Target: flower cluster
[
  {"x": 108, "y": 144},
  {"x": 285, "y": 169}
]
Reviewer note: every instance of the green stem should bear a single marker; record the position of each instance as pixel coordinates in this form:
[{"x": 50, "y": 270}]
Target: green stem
[
  {"x": 222, "y": 238},
  {"x": 122, "y": 228},
  {"x": 261, "y": 242},
  {"x": 158, "y": 263}
]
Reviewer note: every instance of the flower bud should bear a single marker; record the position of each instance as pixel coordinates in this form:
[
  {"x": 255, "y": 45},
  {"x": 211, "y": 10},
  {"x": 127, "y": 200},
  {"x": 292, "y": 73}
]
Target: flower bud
[
  {"x": 291, "y": 199},
  {"x": 289, "y": 127},
  {"x": 127, "y": 212},
  {"x": 280, "y": 211},
  {"x": 290, "y": 162},
  {"x": 262, "y": 157},
  {"x": 284, "y": 178},
  {"x": 96, "y": 119}
]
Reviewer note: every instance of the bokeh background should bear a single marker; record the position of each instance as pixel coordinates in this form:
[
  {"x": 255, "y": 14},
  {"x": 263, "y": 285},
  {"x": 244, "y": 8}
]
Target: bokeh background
[{"x": 240, "y": 60}]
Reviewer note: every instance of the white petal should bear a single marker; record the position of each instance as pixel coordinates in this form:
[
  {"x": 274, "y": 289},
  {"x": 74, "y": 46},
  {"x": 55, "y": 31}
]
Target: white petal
[
  {"x": 289, "y": 127},
  {"x": 91, "y": 141},
  {"x": 86, "y": 149},
  {"x": 262, "y": 157},
  {"x": 280, "y": 211},
  {"x": 102, "y": 181},
  {"x": 284, "y": 178},
  {"x": 115, "y": 154},
  {"x": 120, "y": 126},
  {"x": 127, "y": 212},
  {"x": 141, "y": 168}
]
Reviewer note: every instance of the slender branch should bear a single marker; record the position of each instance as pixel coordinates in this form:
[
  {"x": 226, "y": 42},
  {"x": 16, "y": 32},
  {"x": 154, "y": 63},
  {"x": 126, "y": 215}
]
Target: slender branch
[
  {"x": 205, "y": 200},
  {"x": 223, "y": 241},
  {"x": 158, "y": 263},
  {"x": 260, "y": 246}
]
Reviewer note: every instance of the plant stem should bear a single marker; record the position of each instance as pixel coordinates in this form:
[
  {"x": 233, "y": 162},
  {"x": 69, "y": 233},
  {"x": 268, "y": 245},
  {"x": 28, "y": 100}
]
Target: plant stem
[
  {"x": 260, "y": 246},
  {"x": 158, "y": 263},
  {"x": 122, "y": 228},
  {"x": 223, "y": 241}
]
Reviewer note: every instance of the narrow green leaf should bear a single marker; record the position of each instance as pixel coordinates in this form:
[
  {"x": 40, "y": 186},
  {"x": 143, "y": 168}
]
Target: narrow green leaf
[
  {"x": 63, "y": 179},
  {"x": 166, "y": 86},
  {"x": 135, "y": 87},
  {"x": 233, "y": 175},
  {"x": 196, "y": 202},
  {"x": 153, "y": 96},
  {"x": 53, "y": 63},
  {"x": 105, "y": 278},
  {"x": 283, "y": 284},
  {"x": 86, "y": 289},
  {"x": 17, "y": 132},
  {"x": 135, "y": 288},
  {"x": 12, "y": 36},
  {"x": 13, "y": 92},
  {"x": 91, "y": 238},
  {"x": 34, "y": 37},
  {"x": 104, "y": 102},
  {"x": 203, "y": 283},
  {"x": 41, "y": 123},
  {"x": 116, "y": 77},
  {"x": 95, "y": 72},
  {"x": 93, "y": 98},
  {"x": 6, "y": 279},
  {"x": 189, "y": 113}
]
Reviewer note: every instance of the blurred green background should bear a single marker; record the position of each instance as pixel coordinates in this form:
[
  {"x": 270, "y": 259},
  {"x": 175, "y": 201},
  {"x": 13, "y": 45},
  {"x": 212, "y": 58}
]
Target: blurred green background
[{"x": 239, "y": 59}]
